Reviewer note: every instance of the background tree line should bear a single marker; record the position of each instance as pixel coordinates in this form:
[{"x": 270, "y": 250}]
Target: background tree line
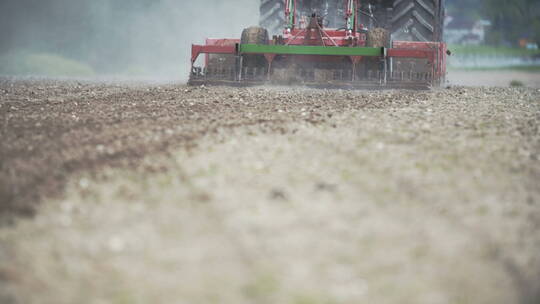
[{"x": 511, "y": 19}]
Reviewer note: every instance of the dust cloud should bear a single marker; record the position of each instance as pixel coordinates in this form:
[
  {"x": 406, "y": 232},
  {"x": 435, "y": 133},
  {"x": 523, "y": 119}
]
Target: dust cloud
[{"x": 131, "y": 38}]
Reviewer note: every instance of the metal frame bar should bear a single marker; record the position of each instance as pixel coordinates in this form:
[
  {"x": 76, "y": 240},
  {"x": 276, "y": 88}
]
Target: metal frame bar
[
  {"x": 411, "y": 53},
  {"x": 196, "y": 50},
  {"x": 310, "y": 50}
]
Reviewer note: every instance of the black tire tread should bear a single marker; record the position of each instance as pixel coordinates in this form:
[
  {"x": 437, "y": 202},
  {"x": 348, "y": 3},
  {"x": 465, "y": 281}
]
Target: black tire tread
[
  {"x": 272, "y": 15},
  {"x": 418, "y": 20}
]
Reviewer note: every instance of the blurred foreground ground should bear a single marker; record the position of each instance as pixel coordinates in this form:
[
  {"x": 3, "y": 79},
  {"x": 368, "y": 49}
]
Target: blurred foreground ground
[{"x": 170, "y": 194}]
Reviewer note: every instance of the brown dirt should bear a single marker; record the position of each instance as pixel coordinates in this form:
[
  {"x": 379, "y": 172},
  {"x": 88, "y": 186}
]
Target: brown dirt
[
  {"x": 166, "y": 193},
  {"x": 52, "y": 129}
]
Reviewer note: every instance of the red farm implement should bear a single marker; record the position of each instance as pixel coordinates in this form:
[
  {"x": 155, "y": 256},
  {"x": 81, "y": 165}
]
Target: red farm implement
[{"x": 307, "y": 53}]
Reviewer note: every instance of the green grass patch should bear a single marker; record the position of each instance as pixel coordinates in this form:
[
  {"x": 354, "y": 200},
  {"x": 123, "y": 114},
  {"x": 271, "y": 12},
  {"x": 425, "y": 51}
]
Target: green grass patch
[
  {"x": 42, "y": 64},
  {"x": 490, "y": 50}
]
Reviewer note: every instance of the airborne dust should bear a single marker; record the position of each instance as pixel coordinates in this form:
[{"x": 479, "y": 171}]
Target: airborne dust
[{"x": 122, "y": 38}]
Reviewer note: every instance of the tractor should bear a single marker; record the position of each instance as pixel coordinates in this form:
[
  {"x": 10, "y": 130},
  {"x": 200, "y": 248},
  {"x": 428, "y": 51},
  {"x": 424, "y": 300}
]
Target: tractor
[{"x": 332, "y": 43}]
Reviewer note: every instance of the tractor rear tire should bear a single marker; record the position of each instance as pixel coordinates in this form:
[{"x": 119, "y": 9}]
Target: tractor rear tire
[
  {"x": 378, "y": 38},
  {"x": 418, "y": 20},
  {"x": 254, "y": 35},
  {"x": 272, "y": 15}
]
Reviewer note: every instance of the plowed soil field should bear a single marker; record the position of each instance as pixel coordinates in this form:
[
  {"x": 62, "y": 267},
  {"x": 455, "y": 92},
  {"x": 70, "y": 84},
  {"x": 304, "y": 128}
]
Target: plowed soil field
[{"x": 138, "y": 193}]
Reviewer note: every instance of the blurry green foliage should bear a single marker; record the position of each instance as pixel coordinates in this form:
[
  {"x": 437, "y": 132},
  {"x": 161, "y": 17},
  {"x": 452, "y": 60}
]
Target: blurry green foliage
[
  {"x": 512, "y": 20},
  {"x": 42, "y": 64}
]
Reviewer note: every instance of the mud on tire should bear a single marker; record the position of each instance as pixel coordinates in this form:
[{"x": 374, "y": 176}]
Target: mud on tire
[
  {"x": 254, "y": 35},
  {"x": 378, "y": 37}
]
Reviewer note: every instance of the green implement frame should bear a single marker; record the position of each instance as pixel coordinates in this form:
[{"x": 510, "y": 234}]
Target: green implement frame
[{"x": 310, "y": 50}]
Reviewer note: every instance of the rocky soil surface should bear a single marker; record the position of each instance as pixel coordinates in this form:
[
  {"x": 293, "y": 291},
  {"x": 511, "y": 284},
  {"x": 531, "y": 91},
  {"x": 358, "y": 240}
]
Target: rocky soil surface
[{"x": 135, "y": 193}]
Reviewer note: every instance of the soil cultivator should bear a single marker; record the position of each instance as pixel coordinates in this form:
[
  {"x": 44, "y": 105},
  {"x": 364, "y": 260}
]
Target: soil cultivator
[{"x": 360, "y": 54}]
